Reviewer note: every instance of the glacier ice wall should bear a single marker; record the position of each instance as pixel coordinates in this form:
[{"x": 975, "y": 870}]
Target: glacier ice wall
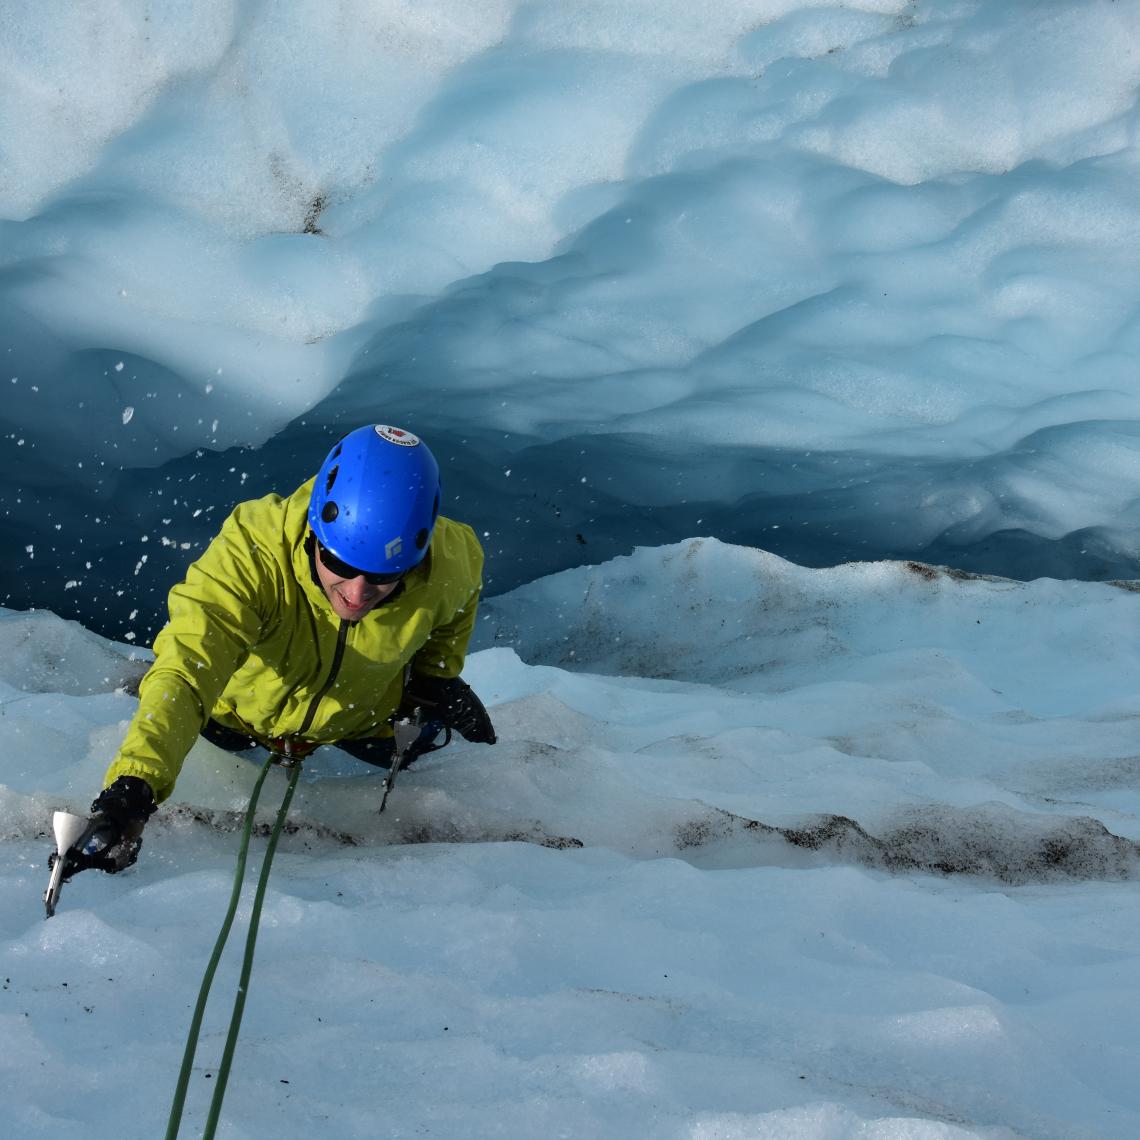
[{"x": 839, "y": 280}]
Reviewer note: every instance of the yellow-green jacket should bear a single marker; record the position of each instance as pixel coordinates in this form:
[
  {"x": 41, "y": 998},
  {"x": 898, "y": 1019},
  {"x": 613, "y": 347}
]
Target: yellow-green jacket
[{"x": 253, "y": 642}]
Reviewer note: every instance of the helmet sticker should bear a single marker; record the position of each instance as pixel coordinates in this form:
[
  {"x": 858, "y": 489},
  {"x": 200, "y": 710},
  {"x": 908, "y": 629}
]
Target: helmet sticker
[
  {"x": 391, "y": 549},
  {"x": 397, "y": 435}
]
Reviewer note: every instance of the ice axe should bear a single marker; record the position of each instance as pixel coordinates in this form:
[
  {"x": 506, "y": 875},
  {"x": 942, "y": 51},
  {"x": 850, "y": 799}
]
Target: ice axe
[
  {"x": 70, "y": 831},
  {"x": 414, "y": 737}
]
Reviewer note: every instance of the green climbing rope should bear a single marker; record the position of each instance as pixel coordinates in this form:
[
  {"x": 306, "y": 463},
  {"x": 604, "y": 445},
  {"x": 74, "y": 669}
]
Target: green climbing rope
[
  {"x": 178, "y": 1105},
  {"x": 247, "y": 963}
]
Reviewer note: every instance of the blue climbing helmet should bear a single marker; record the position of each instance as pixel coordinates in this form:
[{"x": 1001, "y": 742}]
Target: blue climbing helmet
[{"x": 375, "y": 499}]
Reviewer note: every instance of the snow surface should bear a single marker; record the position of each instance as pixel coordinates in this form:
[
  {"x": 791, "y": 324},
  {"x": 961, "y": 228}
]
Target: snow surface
[
  {"x": 763, "y": 851},
  {"x": 840, "y": 280}
]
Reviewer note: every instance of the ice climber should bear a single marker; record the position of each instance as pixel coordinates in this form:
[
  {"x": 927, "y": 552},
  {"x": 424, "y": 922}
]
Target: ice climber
[{"x": 309, "y": 620}]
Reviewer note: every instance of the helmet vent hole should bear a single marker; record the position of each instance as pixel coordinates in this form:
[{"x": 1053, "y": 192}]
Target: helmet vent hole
[
  {"x": 330, "y": 479},
  {"x": 421, "y": 538},
  {"x": 329, "y": 512}
]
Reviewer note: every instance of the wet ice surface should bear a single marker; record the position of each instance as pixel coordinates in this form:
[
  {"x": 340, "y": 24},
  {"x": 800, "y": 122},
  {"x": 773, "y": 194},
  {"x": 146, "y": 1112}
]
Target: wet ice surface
[
  {"x": 814, "y": 854},
  {"x": 840, "y": 280}
]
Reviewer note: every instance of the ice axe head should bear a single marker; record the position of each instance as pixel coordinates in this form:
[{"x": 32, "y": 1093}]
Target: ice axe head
[{"x": 67, "y": 828}]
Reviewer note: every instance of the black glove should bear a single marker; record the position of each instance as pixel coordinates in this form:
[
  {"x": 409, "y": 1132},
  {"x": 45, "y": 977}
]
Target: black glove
[
  {"x": 451, "y": 701},
  {"x": 114, "y": 833}
]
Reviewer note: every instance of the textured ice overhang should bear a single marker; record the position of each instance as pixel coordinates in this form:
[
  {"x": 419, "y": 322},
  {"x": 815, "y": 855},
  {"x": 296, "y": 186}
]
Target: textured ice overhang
[{"x": 843, "y": 282}]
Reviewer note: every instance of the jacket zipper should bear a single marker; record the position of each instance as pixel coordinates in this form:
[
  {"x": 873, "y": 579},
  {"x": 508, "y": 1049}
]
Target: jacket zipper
[{"x": 338, "y": 654}]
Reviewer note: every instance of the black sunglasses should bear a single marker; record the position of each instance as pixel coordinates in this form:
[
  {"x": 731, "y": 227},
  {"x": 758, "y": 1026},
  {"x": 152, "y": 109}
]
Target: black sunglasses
[{"x": 342, "y": 569}]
